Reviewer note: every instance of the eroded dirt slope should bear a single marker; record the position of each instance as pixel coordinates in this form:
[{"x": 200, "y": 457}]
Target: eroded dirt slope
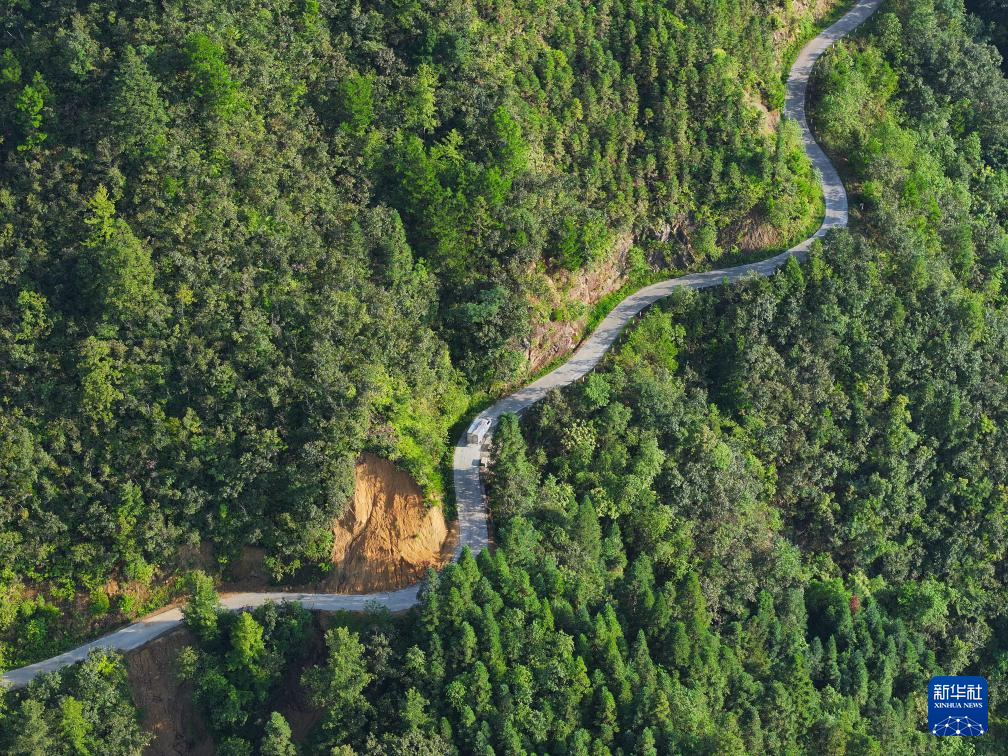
[
  {"x": 165, "y": 701},
  {"x": 388, "y": 536}
]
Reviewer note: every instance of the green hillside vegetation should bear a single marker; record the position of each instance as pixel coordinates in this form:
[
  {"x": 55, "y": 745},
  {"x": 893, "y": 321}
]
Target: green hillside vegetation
[
  {"x": 773, "y": 512},
  {"x": 777, "y": 508},
  {"x": 236, "y": 666},
  {"x": 241, "y": 243},
  {"x": 994, "y": 14},
  {"x": 83, "y": 709}
]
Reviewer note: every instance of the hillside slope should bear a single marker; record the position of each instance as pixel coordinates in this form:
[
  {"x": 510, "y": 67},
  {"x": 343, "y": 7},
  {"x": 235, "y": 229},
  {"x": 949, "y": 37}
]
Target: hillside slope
[{"x": 241, "y": 243}]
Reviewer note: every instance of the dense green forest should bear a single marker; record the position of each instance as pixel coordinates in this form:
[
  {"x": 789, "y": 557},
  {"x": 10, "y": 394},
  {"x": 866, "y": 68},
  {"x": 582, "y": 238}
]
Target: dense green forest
[
  {"x": 83, "y": 709},
  {"x": 994, "y": 14},
  {"x": 773, "y": 512},
  {"x": 242, "y": 242},
  {"x": 236, "y": 666}
]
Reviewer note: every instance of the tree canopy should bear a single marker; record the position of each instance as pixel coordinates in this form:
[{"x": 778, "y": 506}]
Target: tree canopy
[{"x": 242, "y": 243}]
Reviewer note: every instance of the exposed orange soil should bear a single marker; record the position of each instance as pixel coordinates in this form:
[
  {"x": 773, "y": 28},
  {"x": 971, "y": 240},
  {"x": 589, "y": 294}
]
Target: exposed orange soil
[{"x": 388, "y": 537}]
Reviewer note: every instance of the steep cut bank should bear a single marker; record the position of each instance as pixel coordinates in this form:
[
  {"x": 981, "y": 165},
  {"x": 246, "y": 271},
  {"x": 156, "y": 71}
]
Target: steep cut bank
[
  {"x": 165, "y": 701},
  {"x": 388, "y": 537}
]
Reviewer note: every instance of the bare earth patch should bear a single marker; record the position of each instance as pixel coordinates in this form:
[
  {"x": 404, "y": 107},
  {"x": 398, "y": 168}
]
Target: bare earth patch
[
  {"x": 166, "y": 704},
  {"x": 165, "y": 701},
  {"x": 388, "y": 537}
]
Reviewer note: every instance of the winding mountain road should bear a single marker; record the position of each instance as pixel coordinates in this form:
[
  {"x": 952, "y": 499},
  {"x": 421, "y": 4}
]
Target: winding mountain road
[{"x": 472, "y": 510}]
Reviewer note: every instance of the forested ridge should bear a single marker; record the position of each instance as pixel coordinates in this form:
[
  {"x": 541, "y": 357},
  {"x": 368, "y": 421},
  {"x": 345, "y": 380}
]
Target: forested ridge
[
  {"x": 771, "y": 514},
  {"x": 241, "y": 243},
  {"x": 777, "y": 508}
]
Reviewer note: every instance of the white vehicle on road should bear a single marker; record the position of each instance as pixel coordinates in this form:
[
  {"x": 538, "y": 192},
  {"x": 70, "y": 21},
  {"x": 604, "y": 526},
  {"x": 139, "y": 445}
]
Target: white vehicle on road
[{"x": 478, "y": 430}]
